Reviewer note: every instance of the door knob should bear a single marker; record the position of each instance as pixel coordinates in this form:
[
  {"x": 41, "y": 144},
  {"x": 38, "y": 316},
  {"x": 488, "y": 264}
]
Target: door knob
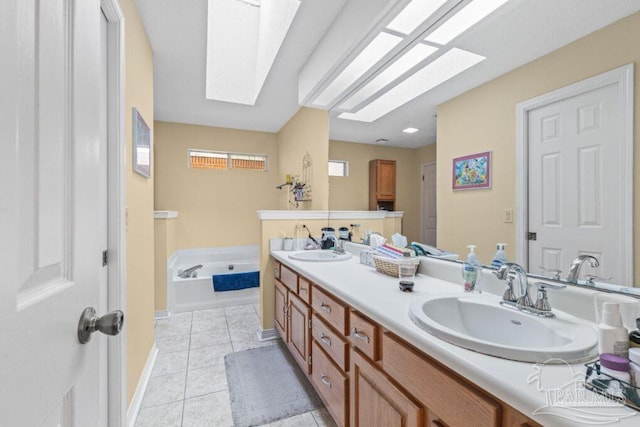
[{"x": 109, "y": 324}]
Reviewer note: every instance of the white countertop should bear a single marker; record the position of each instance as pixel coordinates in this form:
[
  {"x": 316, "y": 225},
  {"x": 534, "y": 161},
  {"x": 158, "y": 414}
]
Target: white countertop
[{"x": 378, "y": 296}]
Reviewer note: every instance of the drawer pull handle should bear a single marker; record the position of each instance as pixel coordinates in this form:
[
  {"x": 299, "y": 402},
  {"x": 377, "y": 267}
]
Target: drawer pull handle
[
  {"x": 303, "y": 289},
  {"x": 325, "y": 339},
  {"x": 325, "y": 380},
  {"x": 361, "y": 336},
  {"x": 325, "y": 307}
]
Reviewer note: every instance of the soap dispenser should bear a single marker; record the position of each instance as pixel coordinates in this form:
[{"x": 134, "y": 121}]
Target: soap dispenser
[
  {"x": 500, "y": 257},
  {"x": 471, "y": 271},
  {"x": 612, "y": 336}
]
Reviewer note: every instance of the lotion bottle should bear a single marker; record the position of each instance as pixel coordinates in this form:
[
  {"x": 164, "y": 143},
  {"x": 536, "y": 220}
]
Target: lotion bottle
[
  {"x": 471, "y": 271},
  {"x": 500, "y": 257},
  {"x": 612, "y": 336}
]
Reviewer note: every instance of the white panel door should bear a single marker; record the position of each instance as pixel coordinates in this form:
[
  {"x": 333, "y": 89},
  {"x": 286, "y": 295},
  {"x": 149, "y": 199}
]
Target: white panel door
[
  {"x": 429, "y": 204},
  {"x": 51, "y": 243},
  {"x": 575, "y": 147}
]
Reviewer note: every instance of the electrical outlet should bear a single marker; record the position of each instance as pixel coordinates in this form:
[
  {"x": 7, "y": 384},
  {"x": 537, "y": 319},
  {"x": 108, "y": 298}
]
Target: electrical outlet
[{"x": 508, "y": 215}]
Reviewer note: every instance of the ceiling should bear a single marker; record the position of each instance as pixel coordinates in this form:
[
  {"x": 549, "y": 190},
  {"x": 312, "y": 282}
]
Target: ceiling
[{"x": 517, "y": 33}]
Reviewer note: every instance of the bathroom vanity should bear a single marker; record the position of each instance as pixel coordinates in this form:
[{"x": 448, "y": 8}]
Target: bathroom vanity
[{"x": 349, "y": 329}]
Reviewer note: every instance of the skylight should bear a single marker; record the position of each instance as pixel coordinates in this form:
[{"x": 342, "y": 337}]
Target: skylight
[
  {"x": 433, "y": 74},
  {"x": 470, "y": 15},
  {"x": 409, "y": 60},
  {"x": 414, "y": 14},
  {"x": 370, "y": 55},
  {"x": 243, "y": 39}
]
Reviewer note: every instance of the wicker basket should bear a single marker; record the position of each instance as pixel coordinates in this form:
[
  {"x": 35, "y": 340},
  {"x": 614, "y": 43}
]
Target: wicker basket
[{"x": 389, "y": 266}]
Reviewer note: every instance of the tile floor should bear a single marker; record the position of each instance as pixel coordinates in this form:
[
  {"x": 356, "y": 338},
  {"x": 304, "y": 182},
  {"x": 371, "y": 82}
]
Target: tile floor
[{"x": 188, "y": 385}]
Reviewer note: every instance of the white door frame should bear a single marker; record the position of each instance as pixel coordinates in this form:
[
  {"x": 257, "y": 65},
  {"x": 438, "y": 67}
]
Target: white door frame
[
  {"x": 116, "y": 294},
  {"x": 623, "y": 76}
]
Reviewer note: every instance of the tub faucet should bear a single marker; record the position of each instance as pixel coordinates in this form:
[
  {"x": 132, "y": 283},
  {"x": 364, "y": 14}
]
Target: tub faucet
[
  {"x": 338, "y": 249},
  {"x": 574, "y": 271},
  {"x": 189, "y": 272}
]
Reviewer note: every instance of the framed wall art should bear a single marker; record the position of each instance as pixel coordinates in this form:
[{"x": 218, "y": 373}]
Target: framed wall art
[
  {"x": 141, "y": 145},
  {"x": 472, "y": 172}
]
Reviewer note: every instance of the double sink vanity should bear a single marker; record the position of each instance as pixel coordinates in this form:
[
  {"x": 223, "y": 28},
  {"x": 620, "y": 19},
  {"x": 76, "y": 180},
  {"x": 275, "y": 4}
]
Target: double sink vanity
[{"x": 436, "y": 356}]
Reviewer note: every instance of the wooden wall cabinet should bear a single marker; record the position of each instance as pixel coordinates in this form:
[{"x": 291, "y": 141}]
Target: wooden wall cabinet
[{"x": 382, "y": 185}]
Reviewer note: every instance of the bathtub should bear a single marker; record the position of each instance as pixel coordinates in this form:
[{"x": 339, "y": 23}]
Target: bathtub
[{"x": 197, "y": 293}]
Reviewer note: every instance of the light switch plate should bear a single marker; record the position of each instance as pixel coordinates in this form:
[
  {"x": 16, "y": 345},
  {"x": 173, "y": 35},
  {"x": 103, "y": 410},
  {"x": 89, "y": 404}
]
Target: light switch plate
[{"x": 508, "y": 215}]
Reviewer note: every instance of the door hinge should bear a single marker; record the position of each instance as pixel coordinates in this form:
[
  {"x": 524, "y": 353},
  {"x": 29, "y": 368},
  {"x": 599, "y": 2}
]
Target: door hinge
[
  {"x": 532, "y": 236},
  {"x": 105, "y": 258},
  {"x": 423, "y": 177},
  {"x": 309, "y": 360},
  {"x": 309, "y": 323}
]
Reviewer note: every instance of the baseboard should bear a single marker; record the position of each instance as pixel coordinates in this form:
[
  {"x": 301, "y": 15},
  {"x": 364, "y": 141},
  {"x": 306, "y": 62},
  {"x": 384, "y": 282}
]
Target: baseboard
[
  {"x": 143, "y": 382},
  {"x": 161, "y": 314},
  {"x": 267, "y": 334}
]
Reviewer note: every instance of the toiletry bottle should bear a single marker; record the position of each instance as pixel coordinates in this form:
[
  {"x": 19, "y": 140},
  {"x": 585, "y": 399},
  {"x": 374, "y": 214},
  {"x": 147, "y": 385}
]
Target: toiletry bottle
[
  {"x": 612, "y": 336},
  {"x": 471, "y": 271},
  {"x": 616, "y": 367},
  {"x": 634, "y": 336},
  {"x": 500, "y": 257}
]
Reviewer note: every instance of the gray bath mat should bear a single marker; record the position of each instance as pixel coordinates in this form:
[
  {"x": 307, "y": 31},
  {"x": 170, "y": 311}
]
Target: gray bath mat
[{"x": 266, "y": 385}]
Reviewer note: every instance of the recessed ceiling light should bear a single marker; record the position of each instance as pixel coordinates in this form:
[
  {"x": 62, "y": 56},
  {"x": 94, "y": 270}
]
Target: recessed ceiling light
[
  {"x": 433, "y": 74},
  {"x": 414, "y": 14},
  {"x": 407, "y": 61},
  {"x": 410, "y": 130},
  {"x": 375, "y": 50},
  {"x": 463, "y": 20}
]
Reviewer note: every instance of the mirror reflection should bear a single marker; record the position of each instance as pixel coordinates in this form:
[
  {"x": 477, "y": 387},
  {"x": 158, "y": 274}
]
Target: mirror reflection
[{"x": 560, "y": 130}]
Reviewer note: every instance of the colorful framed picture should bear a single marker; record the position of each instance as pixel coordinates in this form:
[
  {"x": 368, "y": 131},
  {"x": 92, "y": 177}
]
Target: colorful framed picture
[
  {"x": 141, "y": 145},
  {"x": 472, "y": 172}
]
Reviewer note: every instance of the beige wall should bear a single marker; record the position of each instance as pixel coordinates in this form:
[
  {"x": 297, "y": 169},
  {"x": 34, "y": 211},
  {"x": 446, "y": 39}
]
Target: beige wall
[
  {"x": 215, "y": 207},
  {"x": 306, "y": 132},
  {"x": 484, "y": 119},
  {"x": 352, "y": 192},
  {"x": 140, "y": 232}
]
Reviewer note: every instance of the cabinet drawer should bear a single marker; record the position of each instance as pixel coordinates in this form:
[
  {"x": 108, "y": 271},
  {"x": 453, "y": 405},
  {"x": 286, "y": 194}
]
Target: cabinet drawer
[
  {"x": 336, "y": 346},
  {"x": 304, "y": 290},
  {"x": 364, "y": 335},
  {"x": 289, "y": 278},
  {"x": 331, "y": 384},
  {"x": 330, "y": 309},
  {"x": 436, "y": 389}
]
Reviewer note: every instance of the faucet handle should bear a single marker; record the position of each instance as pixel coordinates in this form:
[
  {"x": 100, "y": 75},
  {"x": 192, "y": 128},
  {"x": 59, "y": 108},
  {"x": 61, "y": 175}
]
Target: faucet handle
[
  {"x": 525, "y": 300},
  {"x": 590, "y": 279},
  {"x": 508, "y": 293},
  {"x": 543, "y": 285},
  {"x": 542, "y": 302},
  {"x": 556, "y": 272}
]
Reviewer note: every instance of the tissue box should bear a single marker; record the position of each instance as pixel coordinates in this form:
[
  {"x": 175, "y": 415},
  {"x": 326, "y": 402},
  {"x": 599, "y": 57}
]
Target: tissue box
[{"x": 366, "y": 258}]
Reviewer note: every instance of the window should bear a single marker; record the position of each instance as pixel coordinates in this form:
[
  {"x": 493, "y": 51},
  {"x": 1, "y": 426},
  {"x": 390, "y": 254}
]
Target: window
[
  {"x": 338, "y": 168},
  {"x": 201, "y": 159}
]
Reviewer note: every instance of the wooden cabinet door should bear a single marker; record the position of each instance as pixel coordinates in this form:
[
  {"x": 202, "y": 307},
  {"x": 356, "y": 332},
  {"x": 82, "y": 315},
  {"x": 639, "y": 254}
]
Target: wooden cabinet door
[
  {"x": 386, "y": 180},
  {"x": 299, "y": 332},
  {"x": 376, "y": 401},
  {"x": 281, "y": 310}
]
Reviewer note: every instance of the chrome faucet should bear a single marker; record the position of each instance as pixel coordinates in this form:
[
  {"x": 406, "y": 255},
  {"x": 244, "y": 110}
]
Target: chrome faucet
[
  {"x": 189, "y": 272},
  {"x": 338, "y": 249},
  {"x": 519, "y": 293},
  {"x": 574, "y": 271},
  {"x": 516, "y": 295}
]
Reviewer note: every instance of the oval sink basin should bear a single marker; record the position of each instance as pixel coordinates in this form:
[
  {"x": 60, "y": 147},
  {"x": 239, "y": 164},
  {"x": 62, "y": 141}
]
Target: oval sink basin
[
  {"x": 319, "y": 256},
  {"x": 480, "y": 323}
]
